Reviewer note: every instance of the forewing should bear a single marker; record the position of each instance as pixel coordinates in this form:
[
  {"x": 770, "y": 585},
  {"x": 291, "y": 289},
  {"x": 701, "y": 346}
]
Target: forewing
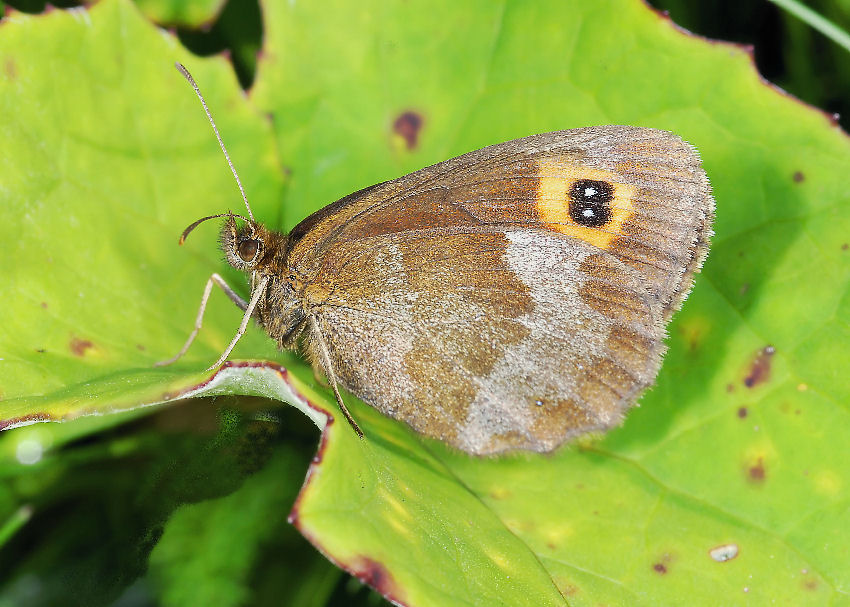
[{"x": 661, "y": 207}]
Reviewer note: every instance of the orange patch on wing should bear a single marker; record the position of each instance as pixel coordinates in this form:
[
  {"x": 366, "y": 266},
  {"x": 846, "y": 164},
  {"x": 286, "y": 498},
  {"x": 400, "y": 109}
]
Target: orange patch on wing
[{"x": 553, "y": 201}]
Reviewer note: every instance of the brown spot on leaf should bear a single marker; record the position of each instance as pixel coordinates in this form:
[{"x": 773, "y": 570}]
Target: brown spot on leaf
[
  {"x": 662, "y": 565},
  {"x": 79, "y": 346},
  {"x": 376, "y": 575},
  {"x": 408, "y": 125},
  {"x": 41, "y": 350},
  {"x": 10, "y": 69},
  {"x": 44, "y": 305},
  {"x": 845, "y": 246},
  {"x": 567, "y": 589},
  {"x": 760, "y": 367},
  {"x": 730, "y": 388},
  {"x": 810, "y": 583},
  {"x": 799, "y": 176},
  {"x": 756, "y": 472},
  {"x": 140, "y": 347},
  {"x": 742, "y": 412}
]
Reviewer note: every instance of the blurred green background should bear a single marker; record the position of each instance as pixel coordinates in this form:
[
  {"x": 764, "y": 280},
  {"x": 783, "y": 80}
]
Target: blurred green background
[{"x": 207, "y": 448}]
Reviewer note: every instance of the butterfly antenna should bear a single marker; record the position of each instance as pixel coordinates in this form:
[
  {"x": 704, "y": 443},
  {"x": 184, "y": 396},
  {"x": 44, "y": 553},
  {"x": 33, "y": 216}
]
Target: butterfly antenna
[
  {"x": 191, "y": 80},
  {"x": 202, "y": 220}
]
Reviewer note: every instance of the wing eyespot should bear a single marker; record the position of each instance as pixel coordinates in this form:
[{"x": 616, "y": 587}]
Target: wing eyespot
[{"x": 590, "y": 202}]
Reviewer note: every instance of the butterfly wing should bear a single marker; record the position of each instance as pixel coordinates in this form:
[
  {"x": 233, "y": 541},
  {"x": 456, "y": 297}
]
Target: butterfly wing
[{"x": 515, "y": 296}]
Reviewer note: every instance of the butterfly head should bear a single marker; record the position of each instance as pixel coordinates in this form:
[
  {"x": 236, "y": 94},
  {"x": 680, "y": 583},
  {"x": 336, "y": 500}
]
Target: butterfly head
[
  {"x": 247, "y": 245},
  {"x": 243, "y": 244}
]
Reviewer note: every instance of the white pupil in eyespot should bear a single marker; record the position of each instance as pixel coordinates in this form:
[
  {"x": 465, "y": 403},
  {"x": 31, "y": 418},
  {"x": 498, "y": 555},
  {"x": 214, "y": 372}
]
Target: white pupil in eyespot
[
  {"x": 588, "y": 213},
  {"x": 590, "y": 192}
]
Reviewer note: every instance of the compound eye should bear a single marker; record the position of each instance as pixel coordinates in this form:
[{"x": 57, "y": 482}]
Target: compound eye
[{"x": 247, "y": 250}]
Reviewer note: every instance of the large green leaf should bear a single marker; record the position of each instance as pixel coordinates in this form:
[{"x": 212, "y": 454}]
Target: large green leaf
[
  {"x": 226, "y": 533},
  {"x": 106, "y": 154},
  {"x": 107, "y": 157}
]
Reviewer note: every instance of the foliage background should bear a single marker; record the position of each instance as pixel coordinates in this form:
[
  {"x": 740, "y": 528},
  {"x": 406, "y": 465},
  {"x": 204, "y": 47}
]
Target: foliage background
[{"x": 202, "y": 451}]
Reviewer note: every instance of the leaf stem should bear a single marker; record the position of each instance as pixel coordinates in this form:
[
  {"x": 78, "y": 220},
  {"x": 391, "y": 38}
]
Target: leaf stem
[
  {"x": 816, "y": 21},
  {"x": 17, "y": 520}
]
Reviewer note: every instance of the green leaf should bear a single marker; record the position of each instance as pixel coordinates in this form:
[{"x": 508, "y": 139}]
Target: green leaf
[
  {"x": 232, "y": 544},
  {"x": 739, "y": 447},
  {"x": 98, "y": 186},
  {"x": 91, "y": 516}
]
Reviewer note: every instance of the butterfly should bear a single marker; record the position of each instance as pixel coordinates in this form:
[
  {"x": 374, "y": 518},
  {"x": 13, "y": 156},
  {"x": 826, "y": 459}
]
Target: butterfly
[{"x": 511, "y": 298}]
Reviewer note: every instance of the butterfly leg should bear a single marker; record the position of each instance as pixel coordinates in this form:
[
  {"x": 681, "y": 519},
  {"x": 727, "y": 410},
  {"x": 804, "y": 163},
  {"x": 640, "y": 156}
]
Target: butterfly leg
[
  {"x": 327, "y": 365},
  {"x": 215, "y": 279},
  {"x": 246, "y": 318}
]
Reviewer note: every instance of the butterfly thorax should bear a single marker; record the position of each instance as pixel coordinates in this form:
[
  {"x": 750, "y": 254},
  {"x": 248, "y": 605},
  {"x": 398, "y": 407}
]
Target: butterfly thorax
[
  {"x": 261, "y": 253},
  {"x": 281, "y": 311}
]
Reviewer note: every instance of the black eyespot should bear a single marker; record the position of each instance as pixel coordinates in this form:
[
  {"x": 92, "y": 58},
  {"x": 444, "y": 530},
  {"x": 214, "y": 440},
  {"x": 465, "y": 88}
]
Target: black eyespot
[
  {"x": 247, "y": 249},
  {"x": 590, "y": 202}
]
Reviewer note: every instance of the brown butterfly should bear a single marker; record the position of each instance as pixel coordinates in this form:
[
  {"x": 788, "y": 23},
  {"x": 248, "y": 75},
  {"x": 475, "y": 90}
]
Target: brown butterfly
[{"x": 510, "y": 298}]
